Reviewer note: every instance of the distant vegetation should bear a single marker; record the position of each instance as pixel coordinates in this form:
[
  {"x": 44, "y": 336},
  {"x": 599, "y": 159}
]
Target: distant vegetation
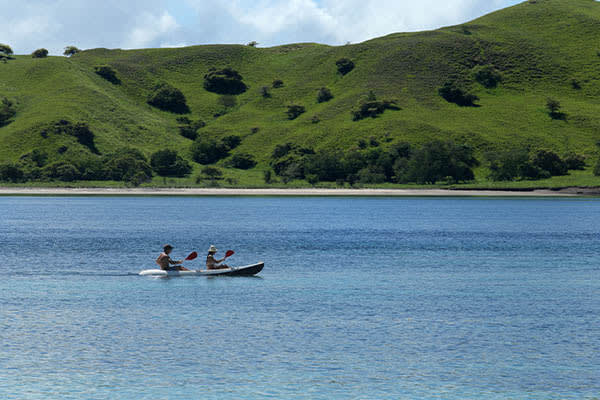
[
  {"x": 7, "y": 111},
  {"x": 70, "y": 51},
  {"x": 324, "y": 95},
  {"x": 169, "y": 163},
  {"x": 371, "y": 107},
  {"x": 109, "y": 74},
  {"x": 188, "y": 128},
  {"x": 488, "y": 76},
  {"x": 454, "y": 94},
  {"x": 168, "y": 98},
  {"x": 40, "y": 53},
  {"x": 224, "y": 81},
  {"x": 295, "y": 110},
  {"x": 5, "y": 52},
  {"x": 344, "y": 65},
  {"x": 209, "y": 151}
]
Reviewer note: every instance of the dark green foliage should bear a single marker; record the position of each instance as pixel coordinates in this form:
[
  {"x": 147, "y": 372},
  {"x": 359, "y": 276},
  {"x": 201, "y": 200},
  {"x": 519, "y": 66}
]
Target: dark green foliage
[
  {"x": 71, "y": 50},
  {"x": 168, "y": 98},
  {"x": 488, "y": 76},
  {"x": 289, "y": 160},
  {"x": 371, "y": 107},
  {"x": 11, "y": 173},
  {"x": 277, "y": 83},
  {"x": 125, "y": 165},
  {"x": 62, "y": 171},
  {"x": 597, "y": 168},
  {"x": 344, "y": 65},
  {"x": 107, "y": 73},
  {"x": 326, "y": 166},
  {"x": 5, "y": 49},
  {"x": 39, "y": 157},
  {"x": 268, "y": 176},
  {"x": 40, "y": 53},
  {"x": 315, "y": 119},
  {"x": 436, "y": 161},
  {"x": 188, "y": 128},
  {"x": 253, "y": 43},
  {"x": 224, "y": 81},
  {"x": 80, "y": 130},
  {"x": 209, "y": 151},
  {"x": 264, "y": 92},
  {"x": 575, "y": 84},
  {"x": 242, "y": 161},
  {"x": 169, "y": 163},
  {"x": 294, "y": 111},
  {"x": 371, "y": 175},
  {"x": 210, "y": 174},
  {"x": 7, "y": 111},
  {"x": 232, "y": 141},
  {"x": 453, "y": 94},
  {"x": 324, "y": 95},
  {"x": 554, "y": 109},
  {"x": 575, "y": 162},
  {"x": 549, "y": 161}
]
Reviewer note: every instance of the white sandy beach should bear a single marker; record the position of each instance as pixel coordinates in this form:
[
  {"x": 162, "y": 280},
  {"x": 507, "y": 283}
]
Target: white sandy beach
[{"x": 6, "y": 191}]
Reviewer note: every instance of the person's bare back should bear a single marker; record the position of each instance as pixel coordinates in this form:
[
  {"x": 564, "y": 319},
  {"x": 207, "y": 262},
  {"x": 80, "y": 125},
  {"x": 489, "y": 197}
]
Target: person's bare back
[{"x": 165, "y": 262}]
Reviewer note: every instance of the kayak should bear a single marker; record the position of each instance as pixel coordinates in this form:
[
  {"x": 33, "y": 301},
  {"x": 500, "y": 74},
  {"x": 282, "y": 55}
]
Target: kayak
[{"x": 247, "y": 270}]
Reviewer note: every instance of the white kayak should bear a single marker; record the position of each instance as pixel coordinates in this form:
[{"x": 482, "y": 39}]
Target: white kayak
[{"x": 247, "y": 270}]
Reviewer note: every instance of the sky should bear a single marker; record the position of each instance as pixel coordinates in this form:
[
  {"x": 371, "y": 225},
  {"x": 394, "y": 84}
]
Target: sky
[{"x": 53, "y": 24}]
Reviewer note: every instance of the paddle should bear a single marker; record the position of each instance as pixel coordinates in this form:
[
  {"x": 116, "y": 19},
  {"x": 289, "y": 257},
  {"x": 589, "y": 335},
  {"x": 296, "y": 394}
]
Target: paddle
[
  {"x": 229, "y": 253},
  {"x": 192, "y": 256}
]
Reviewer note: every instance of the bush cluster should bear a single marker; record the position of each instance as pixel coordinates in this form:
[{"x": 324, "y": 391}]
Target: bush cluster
[
  {"x": 224, "y": 81},
  {"x": 188, "y": 128},
  {"x": 487, "y": 76},
  {"x": 168, "y": 98},
  {"x": 241, "y": 161},
  {"x": 277, "y": 83},
  {"x": 169, "y": 163},
  {"x": 520, "y": 164},
  {"x": 7, "y": 111},
  {"x": 324, "y": 95},
  {"x": 294, "y": 111},
  {"x": 107, "y": 73},
  {"x": 40, "y": 53},
  {"x": 433, "y": 162},
  {"x": 209, "y": 151},
  {"x": 79, "y": 130},
  {"x": 371, "y": 107},
  {"x": 453, "y": 94},
  {"x": 70, "y": 51},
  {"x": 344, "y": 65}
]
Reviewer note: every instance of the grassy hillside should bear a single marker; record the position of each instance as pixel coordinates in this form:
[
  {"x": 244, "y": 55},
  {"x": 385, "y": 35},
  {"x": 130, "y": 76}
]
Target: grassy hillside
[{"x": 539, "y": 47}]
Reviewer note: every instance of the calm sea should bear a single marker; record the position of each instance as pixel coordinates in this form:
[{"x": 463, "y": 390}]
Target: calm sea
[{"x": 361, "y": 298}]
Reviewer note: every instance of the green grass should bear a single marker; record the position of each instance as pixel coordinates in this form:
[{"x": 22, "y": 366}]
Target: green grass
[{"x": 539, "y": 48}]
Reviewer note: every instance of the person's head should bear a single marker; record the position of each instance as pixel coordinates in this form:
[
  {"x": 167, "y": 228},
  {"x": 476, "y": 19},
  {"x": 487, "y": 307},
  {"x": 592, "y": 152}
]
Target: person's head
[
  {"x": 167, "y": 248},
  {"x": 212, "y": 250}
]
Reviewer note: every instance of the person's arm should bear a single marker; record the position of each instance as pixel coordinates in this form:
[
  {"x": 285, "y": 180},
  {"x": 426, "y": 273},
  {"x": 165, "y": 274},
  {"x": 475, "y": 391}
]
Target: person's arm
[{"x": 172, "y": 262}]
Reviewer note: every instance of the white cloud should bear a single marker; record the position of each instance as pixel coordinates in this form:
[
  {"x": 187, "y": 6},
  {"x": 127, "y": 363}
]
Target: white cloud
[
  {"x": 152, "y": 23},
  {"x": 148, "y": 28}
]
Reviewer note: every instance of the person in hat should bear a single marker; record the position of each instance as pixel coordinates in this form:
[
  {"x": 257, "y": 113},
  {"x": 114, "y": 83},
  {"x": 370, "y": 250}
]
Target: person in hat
[
  {"x": 166, "y": 263},
  {"x": 212, "y": 262}
]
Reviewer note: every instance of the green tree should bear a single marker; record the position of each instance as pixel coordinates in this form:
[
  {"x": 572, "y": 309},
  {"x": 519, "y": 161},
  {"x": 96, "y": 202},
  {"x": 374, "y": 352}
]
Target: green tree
[
  {"x": 40, "y": 53},
  {"x": 11, "y": 173},
  {"x": 208, "y": 151},
  {"x": 169, "y": 163},
  {"x": 108, "y": 73},
  {"x": 294, "y": 111},
  {"x": 224, "y": 81},
  {"x": 344, "y": 65},
  {"x": 70, "y": 51},
  {"x": 554, "y": 109},
  {"x": 488, "y": 76},
  {"x": 7, "y": 111},
  {"x": 5, "y": 49},
  {"x": 168, "y": 98},
  {"x": 453, "y": 94},
  {"x": 242, "y": 161},
  {"x": 324, "y": 95}
]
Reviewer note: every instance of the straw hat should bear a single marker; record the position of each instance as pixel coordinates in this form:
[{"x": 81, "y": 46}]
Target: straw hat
[{"x": 212, "y": 249}]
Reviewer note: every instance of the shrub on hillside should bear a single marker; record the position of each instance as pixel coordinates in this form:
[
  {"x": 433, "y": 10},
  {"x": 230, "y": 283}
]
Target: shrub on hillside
[
  {"x": 277, "y": 83},
  {"x": 71, "y": 50},
  {"x": 294, "y": 111},
  {"x": 242, "y": 161},
  {"x": 324, "y": 95},
  {"x": 554, "y": 109},
  {"x": 169, "y": 163},
  {"x": 597, "y": 168},
  {"x": 549, "y": 161},
  {"x": 575, "y": 162},
  {"x": 488, "y": 76},
  {"x": 344, "y": 65},
  {"x": 232, "y": 141},
  {"x": 62, "y": 171},
  {"x": 453, "y": 94},
  {"x": 7, "y": 111},
  {"x": 125, "y": 164},
  {"x": 253, "y": 43},
  {"x": 5, "y": 49},
  {"x": 210, "y": 174},
  {"x": 371, "y": 107},
  {"x": 264, "y": 92},
  {"x": 188, "y": 128},
  {"x": 224, "y": 81},
  {"x": 575, "y": 84},
  {"x": 107, "y": 73},
  {"x": 168, "y": 98},
  {"x": 11, "y": 173},
  {"x": 40, "y": 53},
  {"x": 209, "y": 151},
  {"x": 289, "y": 160},
  {"x": 79, "y": 130}
]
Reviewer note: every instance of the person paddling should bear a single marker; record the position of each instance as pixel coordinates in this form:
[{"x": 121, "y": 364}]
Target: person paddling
[
  {"x": 166, "y": 263},
  {"x": 211, "y": 262}
]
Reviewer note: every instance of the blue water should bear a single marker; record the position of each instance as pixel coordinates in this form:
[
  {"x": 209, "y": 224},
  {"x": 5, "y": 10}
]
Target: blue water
[{"x": 364, "y": 298}]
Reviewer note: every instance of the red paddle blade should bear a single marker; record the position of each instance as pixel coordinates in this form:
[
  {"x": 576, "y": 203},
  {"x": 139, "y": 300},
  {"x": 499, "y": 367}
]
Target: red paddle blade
[
  {"x": 192, "y": 256},
  {"x": 229, "y": 253}
]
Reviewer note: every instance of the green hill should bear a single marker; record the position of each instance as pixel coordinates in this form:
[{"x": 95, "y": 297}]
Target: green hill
[{"x": 543, "y": 49}]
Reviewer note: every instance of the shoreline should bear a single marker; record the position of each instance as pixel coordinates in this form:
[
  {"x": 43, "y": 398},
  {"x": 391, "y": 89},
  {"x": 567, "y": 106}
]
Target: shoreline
[{"x": 58, "y": 191}]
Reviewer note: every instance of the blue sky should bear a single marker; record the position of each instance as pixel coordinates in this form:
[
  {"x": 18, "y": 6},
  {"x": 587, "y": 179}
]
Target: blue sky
[{"x": 53, "y": 24}]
